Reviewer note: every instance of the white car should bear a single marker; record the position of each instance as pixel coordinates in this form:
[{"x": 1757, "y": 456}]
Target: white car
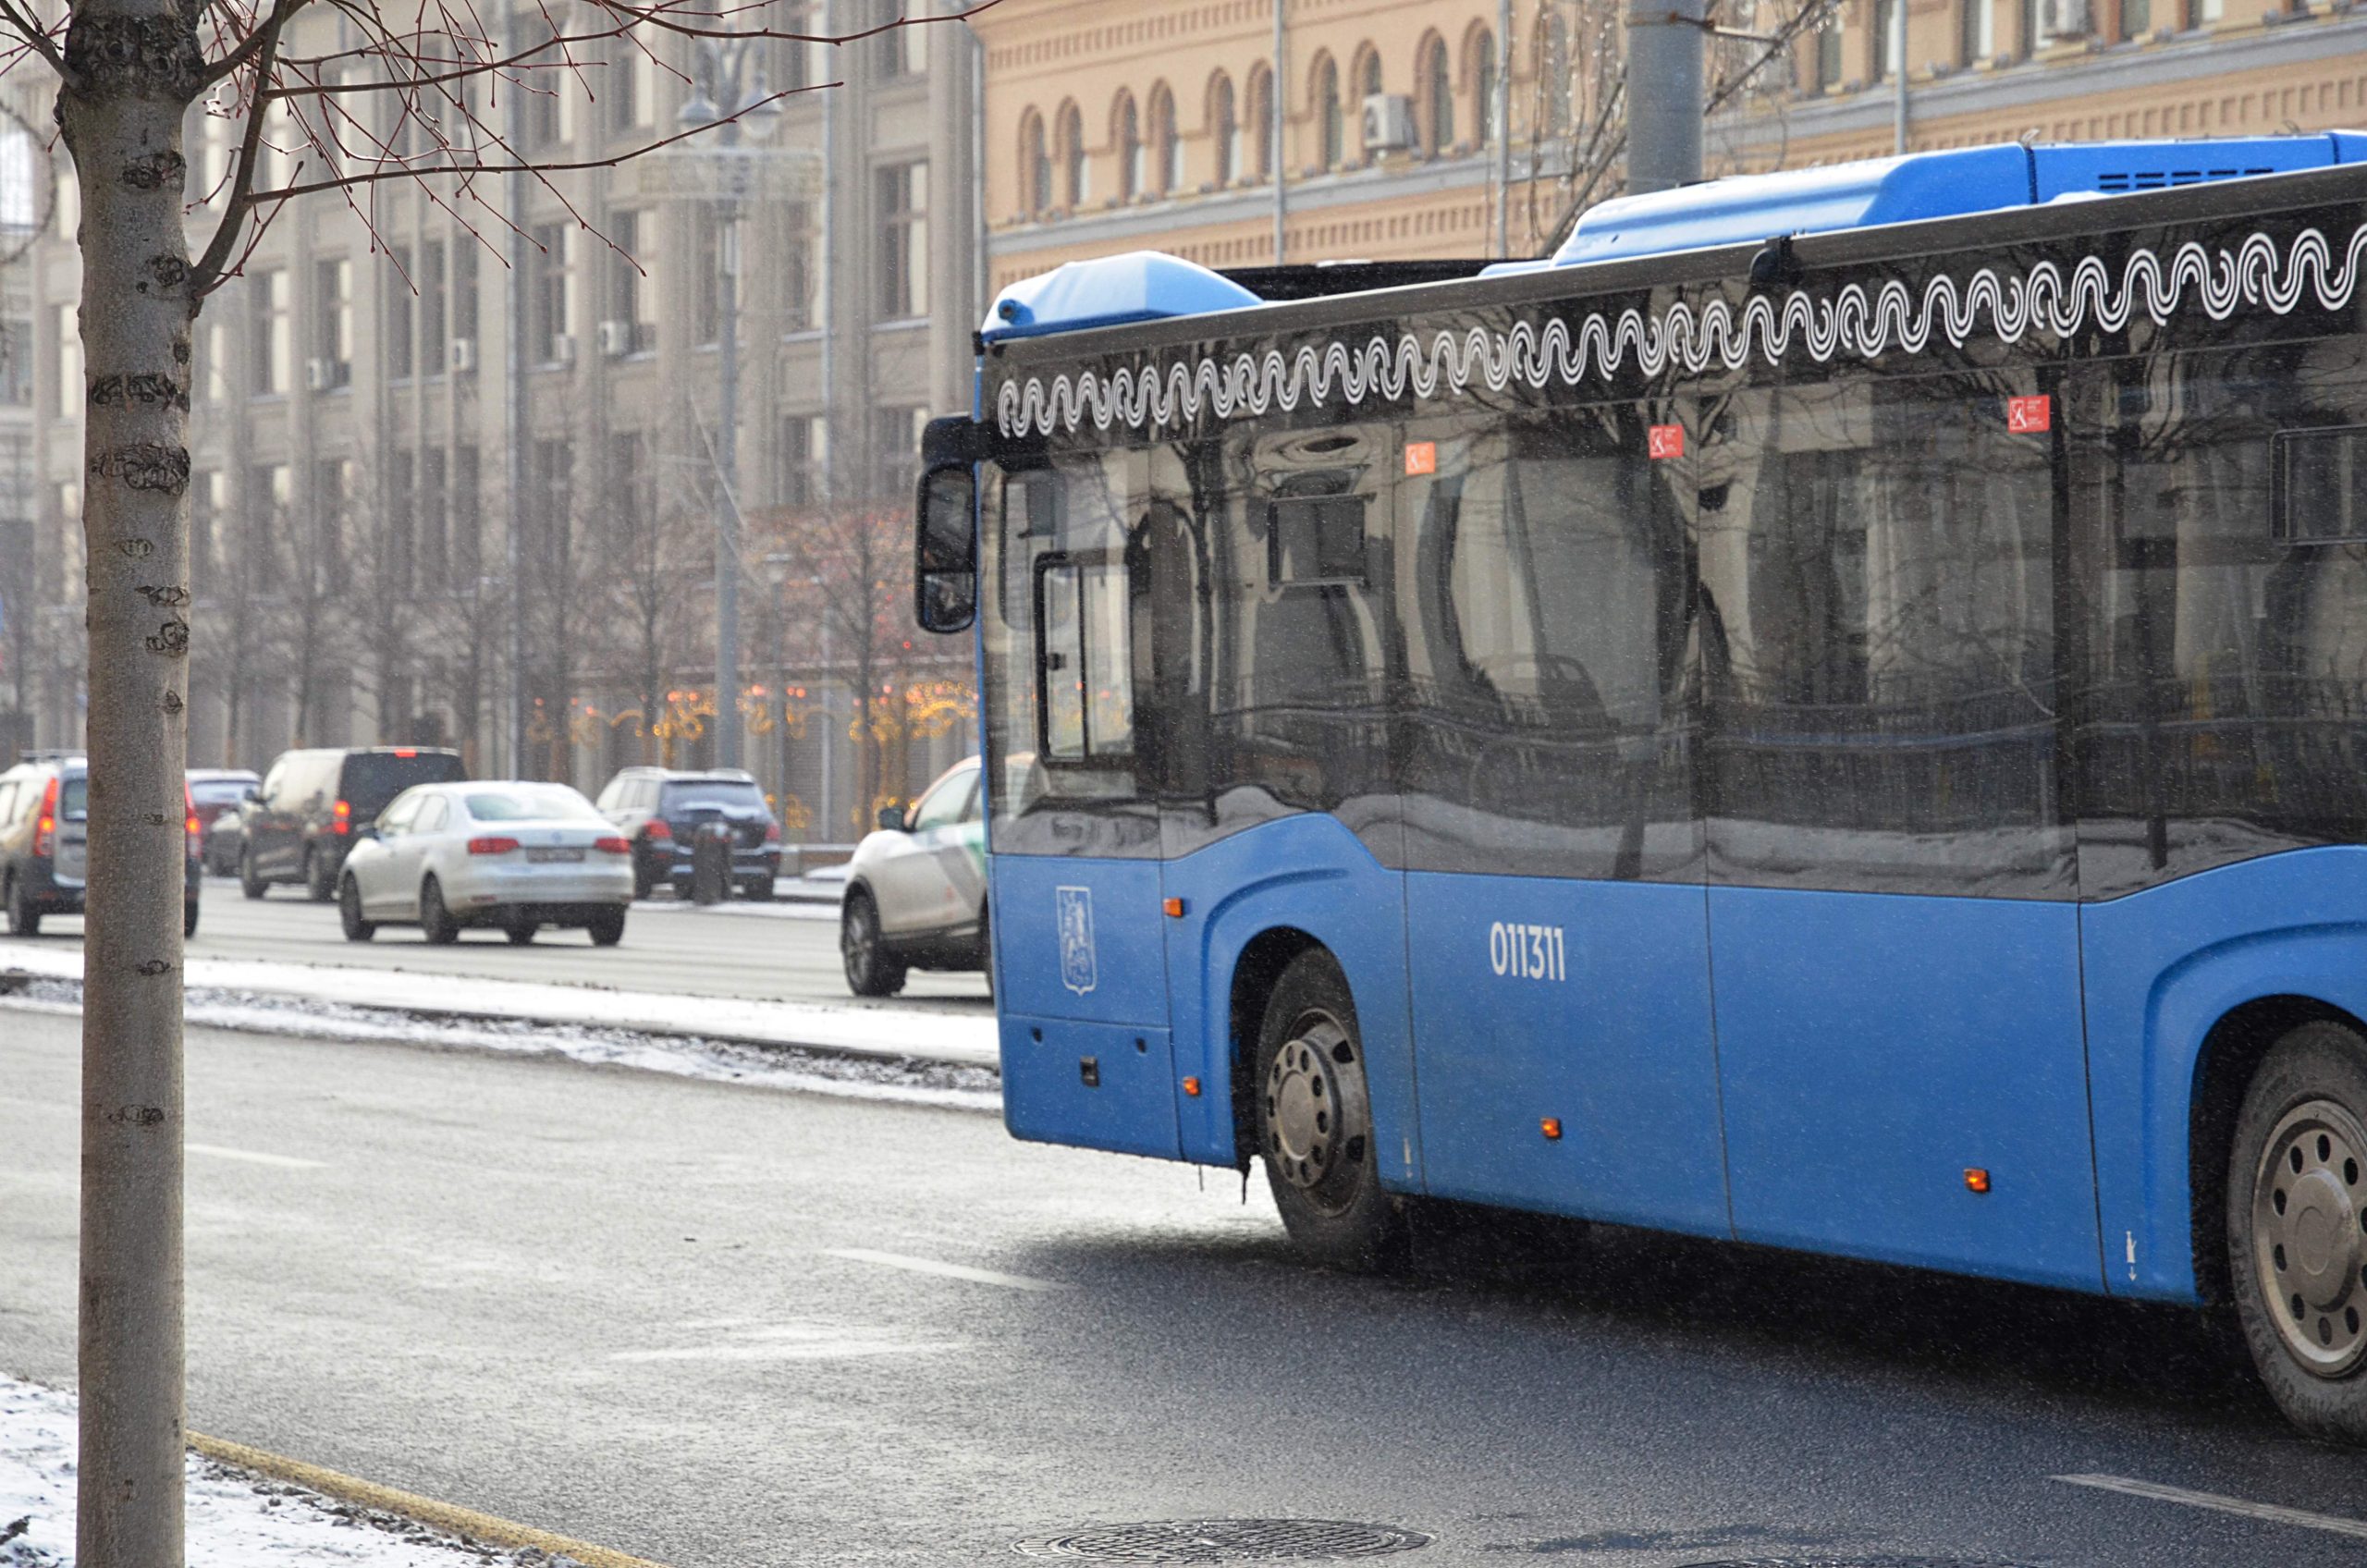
[
  {"x": 516, "y": 857},
  {"x": 916, "y": 890}
]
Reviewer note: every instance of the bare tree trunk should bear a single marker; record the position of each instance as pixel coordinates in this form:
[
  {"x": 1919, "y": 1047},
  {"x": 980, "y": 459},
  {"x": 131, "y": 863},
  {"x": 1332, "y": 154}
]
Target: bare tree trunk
[{"x": 132, "y": 68}]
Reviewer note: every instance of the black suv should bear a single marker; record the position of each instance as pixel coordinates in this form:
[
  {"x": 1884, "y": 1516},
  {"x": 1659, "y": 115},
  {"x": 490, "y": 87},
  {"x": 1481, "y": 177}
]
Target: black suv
[
  {"x": 300, "y": 825},
  {"x": 44, "y": 808},
  {"x": 661, "y": 810}
]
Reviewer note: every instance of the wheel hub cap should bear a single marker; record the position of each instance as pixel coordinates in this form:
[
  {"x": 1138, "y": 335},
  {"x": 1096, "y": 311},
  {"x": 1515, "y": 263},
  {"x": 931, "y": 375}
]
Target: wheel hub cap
[
  {"x": 2308, "y": 1207},
  {"x": 1303, "y": 1110}
]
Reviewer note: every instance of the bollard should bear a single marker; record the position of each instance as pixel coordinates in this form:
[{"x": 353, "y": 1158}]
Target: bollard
[{"x": 711, "y": 864}]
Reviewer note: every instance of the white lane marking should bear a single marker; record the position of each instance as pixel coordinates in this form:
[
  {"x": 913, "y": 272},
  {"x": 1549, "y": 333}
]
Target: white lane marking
[
  {"x": 2334, "y": 1524},
  {"x": 283, "y": 1161},
  {"x": 797, "y": 1342},
  {"x": 948, "y": 1270}
]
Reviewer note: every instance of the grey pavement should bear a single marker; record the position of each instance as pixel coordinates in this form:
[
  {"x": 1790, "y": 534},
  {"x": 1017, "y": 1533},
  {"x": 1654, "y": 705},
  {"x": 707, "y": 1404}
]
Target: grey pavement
[{"x": 712, "y": 1325}]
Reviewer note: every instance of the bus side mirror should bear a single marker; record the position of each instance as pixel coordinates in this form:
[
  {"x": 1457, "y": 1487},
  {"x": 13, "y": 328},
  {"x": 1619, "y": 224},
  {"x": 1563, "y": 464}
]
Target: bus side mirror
[{"x": 945, "y": 580}]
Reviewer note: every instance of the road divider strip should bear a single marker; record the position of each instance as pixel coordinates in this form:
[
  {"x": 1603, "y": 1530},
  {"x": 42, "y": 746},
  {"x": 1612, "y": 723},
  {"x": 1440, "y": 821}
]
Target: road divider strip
[
  {"x": 945, "y": 1271},
  {"x": 447, "y": 1517},
  {"x": 890, "y": 1032},
  {"x": 2333, "y": 1523}
]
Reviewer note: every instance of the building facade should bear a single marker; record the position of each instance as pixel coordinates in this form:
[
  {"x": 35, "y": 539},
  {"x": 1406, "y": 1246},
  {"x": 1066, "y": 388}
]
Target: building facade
[
  {"x": 451, "y": 486},
  {"x": 1110, "y": 127}
]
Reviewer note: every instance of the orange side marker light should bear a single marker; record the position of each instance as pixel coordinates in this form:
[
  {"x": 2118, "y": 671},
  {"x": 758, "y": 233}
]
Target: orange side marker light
[
  {"x": 1552, "y": 1127},
  {"x": 1976, "y": 1179},
  {"x": 1192, "y": 1088},
  {"x": 1174, "y": 907}
]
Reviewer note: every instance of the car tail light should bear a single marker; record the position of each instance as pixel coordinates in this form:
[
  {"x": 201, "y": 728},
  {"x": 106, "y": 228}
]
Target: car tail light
[
  {"x": 612, "y": 846},
  {"x": 405, "y": 751},
  {"x": 45, "y": 830},
  {"x": 772, "y": 832},
  {"x": 190, "y": 824},
  {"x": 492, "y": 846},
  {"x": 341, "y": 818},
  {"x": 657, "y": 830}
]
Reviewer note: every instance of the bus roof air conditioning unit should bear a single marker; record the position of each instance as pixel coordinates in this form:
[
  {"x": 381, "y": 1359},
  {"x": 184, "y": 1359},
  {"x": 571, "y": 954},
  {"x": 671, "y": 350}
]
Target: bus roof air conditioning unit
[{"x": 1388, "y": 122}]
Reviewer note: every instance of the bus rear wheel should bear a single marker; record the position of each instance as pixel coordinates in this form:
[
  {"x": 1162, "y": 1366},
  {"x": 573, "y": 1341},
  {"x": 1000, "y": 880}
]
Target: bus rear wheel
[
  {"x": 2297, "y": 1228},
  {"x": 1314, "y": 1119}
]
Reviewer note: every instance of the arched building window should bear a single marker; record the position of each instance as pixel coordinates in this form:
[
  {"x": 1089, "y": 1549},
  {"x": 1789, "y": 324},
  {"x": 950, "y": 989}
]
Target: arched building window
[
  {"x": 1261, "y": 123},
  {"x": 1480, "y": 70},
  {"x": 1224, "y": 132},
  {"x": 1075, "y": 184},
  {"x": 1165, "y": 146},
  {"x": 1365, "y": 77},
  {"x": 1330, "y": 130},
  {"x": 1036, "y": 166},
  {"x": 1127, "y": 136},
  {"x": 1434, "y": 94}
]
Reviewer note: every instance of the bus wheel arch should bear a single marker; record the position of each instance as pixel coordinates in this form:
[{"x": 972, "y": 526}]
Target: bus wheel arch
[
  {"x": 2231, "y": 1054},
  {"x": 1255, "y": 973}
]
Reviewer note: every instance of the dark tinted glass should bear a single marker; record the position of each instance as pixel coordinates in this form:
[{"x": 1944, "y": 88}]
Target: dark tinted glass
[
  {"x": 371, "y": 779},
  {"x": 2228, "y": 714},
  {"x": 74, "y": 797},
  {"x": 1546, "y": 597},
  {"x": 1067, "y": 640},
  {"x": 1876, "y": 564},
  {"x": 711, "y": 794}
]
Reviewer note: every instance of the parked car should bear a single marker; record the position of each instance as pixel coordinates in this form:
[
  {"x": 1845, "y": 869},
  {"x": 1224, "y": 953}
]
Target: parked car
[
  {"x": 44, "y": 807},
  {"x": 661, "y": 810},
  {"x": 916, "y": 890},
  {"x": 516, "y": 857},
  {"x": 215, "y": 794},
  {"x": 301, "y": 827}
]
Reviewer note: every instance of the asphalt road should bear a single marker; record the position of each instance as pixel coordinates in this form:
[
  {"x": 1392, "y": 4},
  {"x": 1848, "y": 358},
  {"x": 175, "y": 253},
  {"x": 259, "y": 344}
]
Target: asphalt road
[
  {"x": 773, "y": 951},
  {"x": 622, "y": 1307}
]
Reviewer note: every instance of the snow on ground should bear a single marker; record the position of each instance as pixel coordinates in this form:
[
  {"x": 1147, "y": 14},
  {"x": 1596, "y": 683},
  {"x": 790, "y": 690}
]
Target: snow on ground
[
  {"x": 234, "y": 1520},
  {"x": 910, "y": 1080},
  {"x": 895, "y": 1033}
]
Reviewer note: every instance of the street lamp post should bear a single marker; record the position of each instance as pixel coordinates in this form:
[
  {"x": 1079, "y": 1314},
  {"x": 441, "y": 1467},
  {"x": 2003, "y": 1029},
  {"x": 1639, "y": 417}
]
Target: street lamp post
[{"x": 735, "y": 106}]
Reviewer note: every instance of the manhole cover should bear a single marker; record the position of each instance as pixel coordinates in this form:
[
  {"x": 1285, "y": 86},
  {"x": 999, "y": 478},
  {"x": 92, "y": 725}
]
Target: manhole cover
[{"x": 1226, "y": 1541}]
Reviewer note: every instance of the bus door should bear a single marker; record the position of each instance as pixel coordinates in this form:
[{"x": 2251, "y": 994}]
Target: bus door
[
  {"x": 1074, "y": 872},
  {"x": 1892, "y": 921},
  {"x": 1556, "y": 933}
]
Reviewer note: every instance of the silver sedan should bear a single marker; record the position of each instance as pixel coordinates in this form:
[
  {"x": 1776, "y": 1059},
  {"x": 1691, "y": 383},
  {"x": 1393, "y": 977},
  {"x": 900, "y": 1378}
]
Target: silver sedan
[{"x": 516, "y": 857}]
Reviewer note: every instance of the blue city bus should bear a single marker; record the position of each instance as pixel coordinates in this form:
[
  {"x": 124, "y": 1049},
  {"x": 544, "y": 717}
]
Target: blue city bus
[{"x": 1831, "y": 713}]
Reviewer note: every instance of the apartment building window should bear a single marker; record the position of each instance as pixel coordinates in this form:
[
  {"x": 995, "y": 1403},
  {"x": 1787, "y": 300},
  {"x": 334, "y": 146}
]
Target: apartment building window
[
  {"x": 17, "y": 366},
  {"x": 1127, "y": 135},
  {"x": 546, "y": 295},
  {"x": 624, "y": 324},
  {"x": 706, "y": 275},
  {"x": 434, "y": 315},
  {"x": 631, "y": 493},
  {"x": 66, "y": 351},
  {"x": 1979, "y": 19},
  {"x": 464, "y": 289},
  {"x": 896, "y": 447},
  {"x": 1330, "y": 126},
  {"x": 401, "y": 280},
  {"x": 546, "y": 84},
  {"x": 434, "y": 553},
  {"x": 1261, "y": 123},
  {"x": 271, "y": 491},
  {"x": 332, "y": 499},
  {"x": 208, "y": 502},
  {"x": 2136, "y": 18},
  {"x": 1166, "y": 147},
  {"x": 1885, "y": 39},
  {"x": 904, "y": 241},
  {"x": 797, "y": 269},
  {"x": 1224, "y": 132},
  {"x": 2046, "y": 22},
  {"x": 632, "y": 84},
  {"x": 1481, "y": 52},
  {"x": 270, "y": 352},
  {"x": 397, "y": 563},
  {"x": 332, "y": 325},
  {"x": 901, "y": 51},
  {"x": 805, "y": 449},
  {"x": 467, "y": 520},
  {"x": 1035, "y": 164}
]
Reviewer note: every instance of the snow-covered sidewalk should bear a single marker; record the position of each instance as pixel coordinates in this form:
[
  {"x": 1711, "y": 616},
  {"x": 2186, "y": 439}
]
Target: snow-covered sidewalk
[
  {"x": 884, "y": 1032},
  {"x": 234, "y": 1520}
]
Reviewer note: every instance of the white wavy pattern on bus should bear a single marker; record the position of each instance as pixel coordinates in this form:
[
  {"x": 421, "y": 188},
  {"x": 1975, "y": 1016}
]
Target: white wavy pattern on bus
[{"x": 2047, "y": 299}]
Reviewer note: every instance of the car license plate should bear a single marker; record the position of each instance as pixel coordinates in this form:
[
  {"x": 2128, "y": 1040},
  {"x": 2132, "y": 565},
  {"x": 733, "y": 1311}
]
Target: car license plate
[{"x": 544, "y": 855}]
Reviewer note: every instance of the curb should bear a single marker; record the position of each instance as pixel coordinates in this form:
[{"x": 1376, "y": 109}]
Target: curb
[{"x": 466, "y": 1523}]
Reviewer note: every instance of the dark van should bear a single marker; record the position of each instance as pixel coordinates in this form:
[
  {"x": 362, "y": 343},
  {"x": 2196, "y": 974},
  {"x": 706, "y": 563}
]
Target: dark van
[{"x": 299, "y": 828}]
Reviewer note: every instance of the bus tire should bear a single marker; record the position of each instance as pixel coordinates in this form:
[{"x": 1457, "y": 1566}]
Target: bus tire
[
  {"x": 1314, "y": 1116},
  {"x": 2297, "y": 1228}
]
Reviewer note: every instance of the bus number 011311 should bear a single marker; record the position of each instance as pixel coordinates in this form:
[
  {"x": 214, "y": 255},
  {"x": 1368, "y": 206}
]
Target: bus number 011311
[{"x": 1527, "y": 952}]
